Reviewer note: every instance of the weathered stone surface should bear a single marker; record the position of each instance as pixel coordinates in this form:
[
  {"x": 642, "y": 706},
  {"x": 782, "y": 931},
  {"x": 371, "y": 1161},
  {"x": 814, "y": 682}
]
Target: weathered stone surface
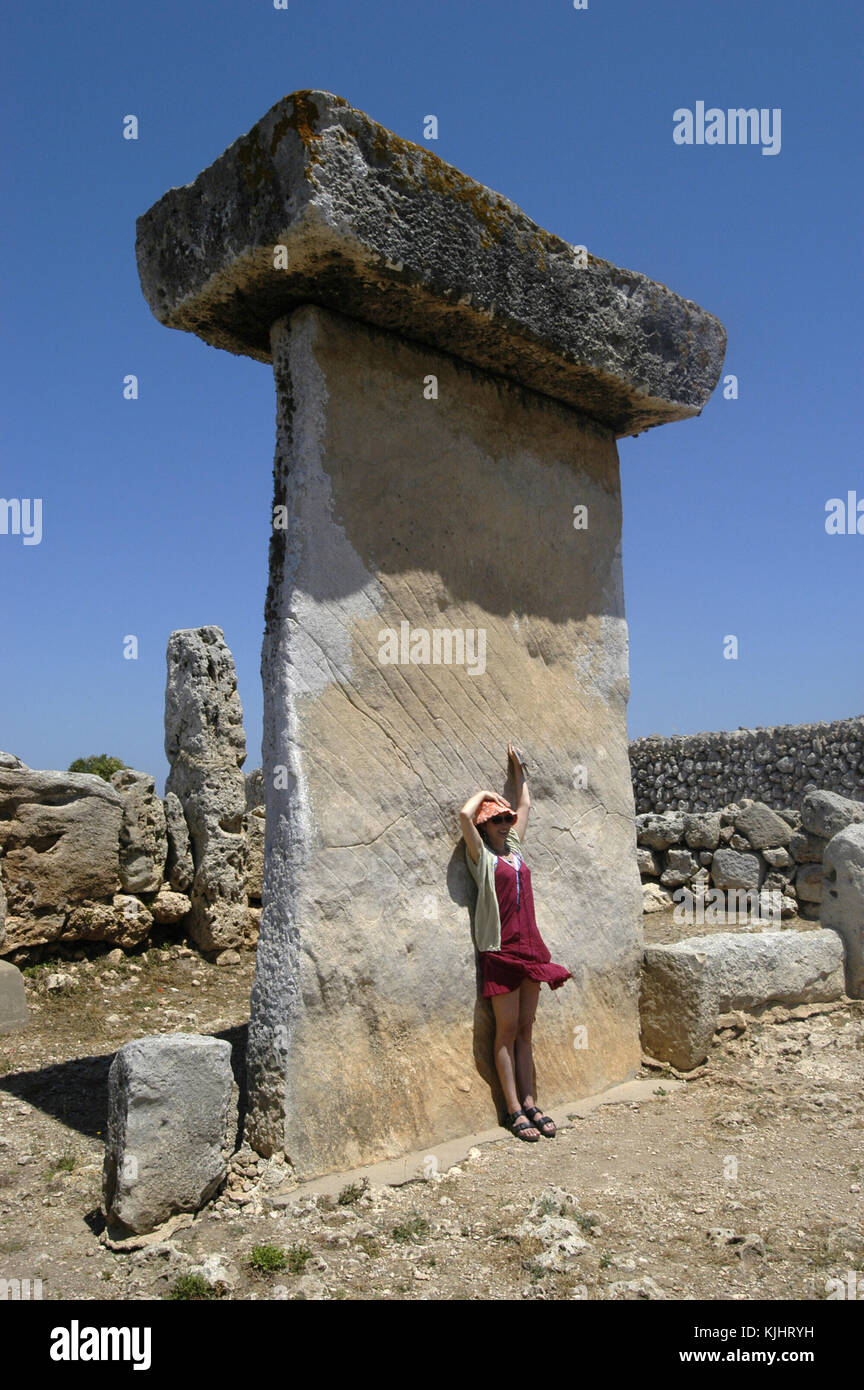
[
  {"x": 806, "y": 848},
  {"x": 365, "y": 967},
  {"x": 255, "y": 831},
  {"x": 655, "y": 898},
  {"x": 680, "y": 868},
  {"x": 687, "y": 984},
  {"x": 206, "y": 747},
  {"x": 179, "y": 866},
  {"x": 143, "y": 840},
  {"x": 678, "y": 1005},
  {"x": 383, "y": 230},
  {"x": 699, "y": 772},
  {"x": 826, "y": 813},
  {"x": 702, "y": 831},
  {"x": 659, "y": 831},
  {"x": 59, "y": 846},
  {"x": 648, "y": 862},
  {"x": 808, "y": 883},
  {"x": 170, "y": 1123},
  {"x": 13, "y": 999},
  {"x": 125, "y": 921},
  {"x": 732, "y": 869},
  {"x": 168, "y": 907},
  {"x": 764, "y": 828},
  {"x": 843, "y": 900},
  {"x": 778, "y": 858},
  {"x": 754, "y": 969}
]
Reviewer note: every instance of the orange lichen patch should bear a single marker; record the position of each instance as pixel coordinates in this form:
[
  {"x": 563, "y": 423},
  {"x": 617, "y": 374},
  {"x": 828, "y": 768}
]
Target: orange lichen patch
[{"x": 303, "y": 117}]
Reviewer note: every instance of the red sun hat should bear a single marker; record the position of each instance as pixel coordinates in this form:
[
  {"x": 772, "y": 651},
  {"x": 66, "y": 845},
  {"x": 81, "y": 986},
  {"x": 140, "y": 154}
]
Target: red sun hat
[{"x": 488, "y": 809}]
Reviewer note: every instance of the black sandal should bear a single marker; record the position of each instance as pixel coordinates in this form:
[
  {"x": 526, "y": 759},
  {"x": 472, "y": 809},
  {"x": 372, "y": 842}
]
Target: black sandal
[
  {"x": 517, "y": 1129},
  {"x": 532, "y": 1111}
]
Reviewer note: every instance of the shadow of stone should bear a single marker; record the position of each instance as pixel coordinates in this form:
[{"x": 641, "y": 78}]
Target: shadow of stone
[{"x": 76, "y": 1092}]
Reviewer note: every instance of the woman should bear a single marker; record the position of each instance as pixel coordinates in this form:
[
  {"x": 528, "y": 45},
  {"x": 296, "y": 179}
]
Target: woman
[{"x": 515, "y": 957}]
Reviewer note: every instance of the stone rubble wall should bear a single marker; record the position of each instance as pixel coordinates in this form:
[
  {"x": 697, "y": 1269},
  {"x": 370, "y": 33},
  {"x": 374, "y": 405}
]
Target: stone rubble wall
[
  {"x": 703, "y": 772},
  {"x": 742, "y": 848}
]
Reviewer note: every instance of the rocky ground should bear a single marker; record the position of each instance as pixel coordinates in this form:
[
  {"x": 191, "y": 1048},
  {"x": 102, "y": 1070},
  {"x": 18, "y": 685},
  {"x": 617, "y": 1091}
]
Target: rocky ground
[{"x": 742, "y": 1181}]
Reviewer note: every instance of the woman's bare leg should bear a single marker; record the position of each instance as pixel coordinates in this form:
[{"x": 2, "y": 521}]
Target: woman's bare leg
[
  {"x": 528, "y": 994},
  {"x": 506, "y": 1010}
]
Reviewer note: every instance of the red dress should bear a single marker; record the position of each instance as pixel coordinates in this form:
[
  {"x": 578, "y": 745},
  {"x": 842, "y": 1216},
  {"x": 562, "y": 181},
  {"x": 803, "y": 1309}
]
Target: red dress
[{"x": 524, "y": 954}]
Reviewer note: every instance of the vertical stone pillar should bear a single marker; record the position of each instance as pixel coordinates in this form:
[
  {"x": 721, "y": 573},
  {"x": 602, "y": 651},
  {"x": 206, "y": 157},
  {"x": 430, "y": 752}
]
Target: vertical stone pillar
[
  {"x": 206, "y": 747},
  {"x": 445, "y": 574}
]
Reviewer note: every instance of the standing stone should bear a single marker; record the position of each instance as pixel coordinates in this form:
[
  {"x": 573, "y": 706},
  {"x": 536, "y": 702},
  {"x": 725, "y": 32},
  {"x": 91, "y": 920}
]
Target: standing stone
[
  {"x": 843, "y": 900},
  {"x": 678, "y": 1005},
  {"x": 179, "y": 866},
  {"x": 255, "y": 831},
  {"x": 13, "y": 998},
  {"x": 170, "y": 1123},
  {"x": 206, "y": 747},
  {"x": 450, "y": 382},
  {"x": 143, "y": 840},
  {"x": 59, "y": 848}
]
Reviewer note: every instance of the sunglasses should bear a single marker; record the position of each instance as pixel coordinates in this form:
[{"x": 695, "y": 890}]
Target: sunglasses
[{"x": 501, "y": 820}]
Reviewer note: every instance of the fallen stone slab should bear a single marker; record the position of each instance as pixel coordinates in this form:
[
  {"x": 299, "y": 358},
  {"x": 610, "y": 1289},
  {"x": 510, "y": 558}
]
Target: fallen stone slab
[
  {"x": 843, "y": 900},
  {"x": 687, "y": 984},
  {"x": 171, "y": 1118},
  {"x": 13, "y": 998},
  {"x": 320, "y": 203}
]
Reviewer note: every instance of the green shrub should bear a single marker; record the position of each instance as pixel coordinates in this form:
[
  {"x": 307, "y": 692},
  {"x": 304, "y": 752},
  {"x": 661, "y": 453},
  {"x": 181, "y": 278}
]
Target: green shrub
[{"x": 98, "y": 763}]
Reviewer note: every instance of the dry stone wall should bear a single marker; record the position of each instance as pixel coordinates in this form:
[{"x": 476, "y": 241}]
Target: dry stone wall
[{"x": 703, "y": 772}]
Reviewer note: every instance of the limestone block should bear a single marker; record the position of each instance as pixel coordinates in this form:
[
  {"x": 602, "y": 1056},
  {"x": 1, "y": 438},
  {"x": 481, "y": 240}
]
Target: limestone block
[
  {"x": 702, "y": 829},
  {"x": 808, "y": 883},
  {"x": 655, "y": 898},
  {"x": 13, "y": 998},
  {"x": 254, "y": 828},
  {"x": 825, "y": 813},
  {"x": 807, "y": 848},
  {"x": 170, "y": 1115},
  {"x": 124, "y": 921},
  {"x": 843, "y": 900},
  {"x": 206, "y": 747},
  {"x": 659, "y": 830},
  {"x": 730, "y": 868},
  {"x": 168, "y": 907},
  {"x": 678, "y": 1005},
  {"x": 384, "y": 231},
  {"x": 687, "y": 984},
  {"x": 764, "y": 828},
  {"x": 648, "y": 862},
  {"x": 754, "y": 969},
  {"x": 143, "y": 839},
  {"x": 179, "y": 867},
  {"x": 59, "y": 847},
  {"x": 680, "y": 868},
  {"x": 365, "y": 965}
]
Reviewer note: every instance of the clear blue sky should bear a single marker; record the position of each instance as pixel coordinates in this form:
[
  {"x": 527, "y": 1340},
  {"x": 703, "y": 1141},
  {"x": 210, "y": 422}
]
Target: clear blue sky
[{"x": 156, "y": 512}]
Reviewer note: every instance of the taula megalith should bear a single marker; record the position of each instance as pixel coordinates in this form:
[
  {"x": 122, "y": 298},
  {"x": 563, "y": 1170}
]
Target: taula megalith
[{"x": 445, "y": 574}]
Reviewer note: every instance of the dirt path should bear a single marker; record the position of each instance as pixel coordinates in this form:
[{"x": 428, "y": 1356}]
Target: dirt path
[{"x": 745, "y": 1182}]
